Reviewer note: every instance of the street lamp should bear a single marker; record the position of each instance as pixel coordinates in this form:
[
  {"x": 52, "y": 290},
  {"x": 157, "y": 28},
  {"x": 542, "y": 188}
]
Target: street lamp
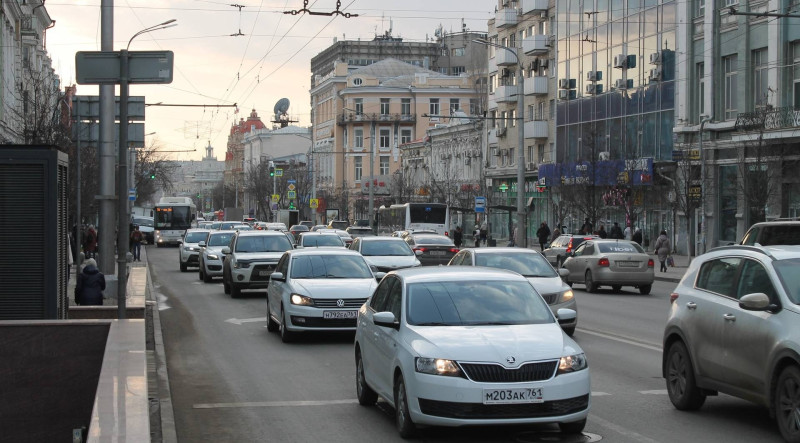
[
  {"x": 521, "y": 237},
  {"x": 703, "y": 120}
]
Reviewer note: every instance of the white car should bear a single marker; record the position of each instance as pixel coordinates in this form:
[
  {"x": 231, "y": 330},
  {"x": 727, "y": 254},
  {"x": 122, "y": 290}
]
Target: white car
[
  {"x": 386, "y": 254},
  {"x": 456, "y": 346},
  {"x": 189, "y": 249},
  {"x": 250, "y": 259},
  {"x": 316, "y": 239},
  {"x": 211, "y": 254},
  {"x": 317, "y": 289}
]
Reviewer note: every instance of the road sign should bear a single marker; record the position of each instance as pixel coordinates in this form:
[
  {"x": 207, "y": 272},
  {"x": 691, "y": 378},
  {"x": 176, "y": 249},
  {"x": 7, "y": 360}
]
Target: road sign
[
  {"x": 276, "y": 198},
  {"x": 148, "y": 67},
  {"x": 290, "y": 181},
  {"x": 480, "y": 204},
  {"x": 132, "y": 194},
  {"x": 291, "y": 187},
  {"x": 313, "y": 203},
  {"x": 291, "y": 195},
  {"x": 278, "y": 172}
]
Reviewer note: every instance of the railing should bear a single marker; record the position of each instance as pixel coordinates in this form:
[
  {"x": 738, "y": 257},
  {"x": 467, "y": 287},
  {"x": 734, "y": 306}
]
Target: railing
[
  {"x": 352, "y": 117},
  {"x": 775, "y": 118}
]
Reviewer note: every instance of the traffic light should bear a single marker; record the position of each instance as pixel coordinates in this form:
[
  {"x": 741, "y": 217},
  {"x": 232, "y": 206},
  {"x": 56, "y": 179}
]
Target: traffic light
[
  {"x": 291, "y": 204},
  {"x": 272, "y": 169},
  {"x": 152, "y": 176}
]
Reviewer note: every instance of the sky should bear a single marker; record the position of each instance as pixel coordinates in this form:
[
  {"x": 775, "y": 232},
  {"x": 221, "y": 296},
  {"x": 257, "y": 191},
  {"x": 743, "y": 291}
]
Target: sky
[{"x": 214, "y": 65}]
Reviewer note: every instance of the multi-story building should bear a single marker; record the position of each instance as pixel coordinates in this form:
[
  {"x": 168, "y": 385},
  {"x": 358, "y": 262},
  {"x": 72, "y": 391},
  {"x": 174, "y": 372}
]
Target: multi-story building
[
  {"x": 197, "y": 179},
  {"x": 234, "y": 156}
]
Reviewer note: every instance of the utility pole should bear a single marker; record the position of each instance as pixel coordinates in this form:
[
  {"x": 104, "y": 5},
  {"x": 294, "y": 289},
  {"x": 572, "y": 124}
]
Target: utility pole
[{"x": 108, "y": 159}]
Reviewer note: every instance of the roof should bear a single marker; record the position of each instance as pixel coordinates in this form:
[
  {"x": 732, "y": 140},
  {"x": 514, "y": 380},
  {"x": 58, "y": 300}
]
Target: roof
[
  {"x": 324, "y": 251},
  {"x": 393, "y": 68}
]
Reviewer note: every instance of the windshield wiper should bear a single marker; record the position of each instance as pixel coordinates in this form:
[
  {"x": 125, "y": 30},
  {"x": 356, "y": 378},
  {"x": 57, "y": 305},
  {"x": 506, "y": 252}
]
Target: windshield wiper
[{"x": 433, "y": 323}]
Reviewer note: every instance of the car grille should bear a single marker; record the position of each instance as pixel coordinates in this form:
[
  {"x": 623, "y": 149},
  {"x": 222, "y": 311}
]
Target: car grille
[
  {"x": 254, "y": 276},
  {"x": 493, "y": 373},
  {"x": 192, "y": 259},
  {"x": 353, "y": 303},
  {"x": 317, "y": 322},
  {"x": 480, "y": 411},
  {"x": 550, "y": 298},
  {"x": 214, "y": 267}
]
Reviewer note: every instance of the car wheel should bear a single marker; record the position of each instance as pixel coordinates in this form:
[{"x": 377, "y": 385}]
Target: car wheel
[
  {"x": 616, "y": 288},
  {"x": 287, "y": 336},
  {"x": 405, "y": 427},
  {"x": 272, "y": 325},
  {"x": 570, "y": 330},
  {"x": 787, "y": 404},
  {"x": 366, "y": 396},
  {"x": 591, "y": 286},
  {"x": 681, "y": 387},
  {"x": 206, "y": 278},
  {"x": 572, "y": 427},
  {"x": 225, "y": 285},
  {"x": 645, "y": 289},
  {"x": 183, "y": 266},
  {"x": 235, "y": 292}
]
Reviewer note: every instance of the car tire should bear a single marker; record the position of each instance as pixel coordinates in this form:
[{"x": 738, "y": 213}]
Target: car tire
[
  {"x": 287, "y": 336},
  {"x": 183, "y": 266},
  {"x": 787, "y": 403},
  {"x": 616, "y": 288},
  {"x": 645, "y": 289},
  {"x": 366, "y": 396},
  {"x": 225, "y": 286},
  {"x": 572, "y": 427},
  {"x": 570, "y": 330},
  {"x": 402, "y": 419},
  {"x": 206, "y": 278},
  {"x": 272, "y": 325},
  {"x": 235, "y": 292},
  {"x": 591, "y": 286},
  {"x": 681, "y": 386}
]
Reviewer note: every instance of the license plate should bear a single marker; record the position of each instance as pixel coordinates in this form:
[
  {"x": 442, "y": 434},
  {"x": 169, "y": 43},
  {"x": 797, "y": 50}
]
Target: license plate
[
  {"x": 516, "y": 395},
  {"x": 438, "y": 252},
  {"x": 264, "y": 273},
  {"x": 628, "y": 264},
  {"x": 335, "y": 315}
]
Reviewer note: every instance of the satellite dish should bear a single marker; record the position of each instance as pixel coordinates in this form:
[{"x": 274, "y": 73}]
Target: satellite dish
[{"x": 281, "y": 108}]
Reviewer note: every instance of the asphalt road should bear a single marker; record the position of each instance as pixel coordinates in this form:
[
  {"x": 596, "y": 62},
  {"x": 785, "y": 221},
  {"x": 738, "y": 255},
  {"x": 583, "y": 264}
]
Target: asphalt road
[{"x": 231, "y": 380}]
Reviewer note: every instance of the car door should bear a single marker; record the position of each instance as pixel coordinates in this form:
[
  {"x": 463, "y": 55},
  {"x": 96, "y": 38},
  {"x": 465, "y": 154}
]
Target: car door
[
  {"x": 276, "y": 288},
  {"x": 576, "y": 265},
  {"x": 458, "y": 259},
  {"x": 370, "y": 335},
  {"x": 386, "y": 338}
]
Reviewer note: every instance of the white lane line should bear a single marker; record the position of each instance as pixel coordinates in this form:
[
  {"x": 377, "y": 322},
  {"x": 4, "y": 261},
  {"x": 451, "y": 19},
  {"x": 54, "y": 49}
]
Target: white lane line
[
  {"x": 655, "y": 392},
  {"x": 599, "y": 394},
  {"x": 621, "y": 339},
  {"x": 273, "y": 404},
  {"x": 239, "y": 321},
  {"x": 621, "y": 430}
]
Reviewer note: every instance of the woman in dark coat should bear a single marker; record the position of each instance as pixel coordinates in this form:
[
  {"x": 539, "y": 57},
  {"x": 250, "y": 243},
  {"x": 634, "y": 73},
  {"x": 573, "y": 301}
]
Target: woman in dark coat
[{"x": 90, "y": 285}]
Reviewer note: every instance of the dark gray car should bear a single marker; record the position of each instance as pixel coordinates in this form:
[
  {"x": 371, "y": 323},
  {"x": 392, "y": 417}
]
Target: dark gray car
[{"x": 432, "y": 249}]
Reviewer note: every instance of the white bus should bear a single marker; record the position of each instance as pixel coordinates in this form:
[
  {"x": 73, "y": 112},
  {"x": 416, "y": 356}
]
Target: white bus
[
  {"x": 173, "y": 216},
  {"x": 414, "y": 217}
]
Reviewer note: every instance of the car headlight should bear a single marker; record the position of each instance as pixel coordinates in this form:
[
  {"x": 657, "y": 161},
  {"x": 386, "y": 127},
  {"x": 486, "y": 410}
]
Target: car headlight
[
  {"x": 240, "y": 265},
  {"x": 437, "y": 366},
  {"x": 301, "y": 300},
  {"x": 567, "y": 296},
  {"x": 188, "y": 248},
  {"x": 213, "y": 257},
  {"x": 572, "y": 363}
]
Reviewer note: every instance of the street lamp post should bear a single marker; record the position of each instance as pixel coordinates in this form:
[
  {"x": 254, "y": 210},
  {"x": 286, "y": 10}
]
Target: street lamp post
[{"x": 703, "y": 120}]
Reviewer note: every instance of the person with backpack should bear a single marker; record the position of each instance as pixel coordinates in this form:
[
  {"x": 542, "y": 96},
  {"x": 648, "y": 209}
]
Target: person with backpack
[{"x": 136, "y": 243}]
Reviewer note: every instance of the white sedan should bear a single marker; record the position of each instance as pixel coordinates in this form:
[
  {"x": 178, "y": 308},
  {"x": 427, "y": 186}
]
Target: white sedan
[
  {"x": 455, "y": 346},
  {"x": 317, "y": 289}
]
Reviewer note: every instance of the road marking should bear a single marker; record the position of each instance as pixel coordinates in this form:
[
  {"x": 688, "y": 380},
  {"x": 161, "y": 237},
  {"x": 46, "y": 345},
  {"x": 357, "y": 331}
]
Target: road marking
[
  {"x": 621, "y": 430},
  {"x": 621, "y": 339},
  {"x": 239, "y": 321},
  {"x": 274, "y": 404},
  {"x": 655, "y": 392},
  {"x": 599, "y": 394}
]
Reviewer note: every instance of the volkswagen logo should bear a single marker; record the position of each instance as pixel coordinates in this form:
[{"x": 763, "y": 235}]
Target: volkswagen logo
[
  {"x": 340, "y": 303},
  {"x": 511, "y": 360}
]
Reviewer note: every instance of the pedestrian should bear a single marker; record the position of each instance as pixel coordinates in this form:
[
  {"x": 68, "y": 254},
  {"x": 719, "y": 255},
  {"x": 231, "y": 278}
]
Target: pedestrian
[
  {"x": 587, "y": 227},
  {"x": 476, "y": 235},
  {"x": 90, "y": 285},
  {"x": 556, "y": 233},
  {"x": 637, "y": 236},
  {"x": 543, "y": 233},
  {"x": 663, "y": 248},
  {"x": 458, "y": 237},
  {"x": 90, "y": 243},
  {"x": 136, "y": 242},
  {"x": 602, "y": 233},
  {"x": 628, "y": 234},
  {"x": 512, "y": 236},
  {"x": 616, "y": 232},
  {"x": 484, "y": 232}
]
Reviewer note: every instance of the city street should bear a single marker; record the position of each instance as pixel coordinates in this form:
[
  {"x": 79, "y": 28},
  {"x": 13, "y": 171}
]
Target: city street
[{"x": 231, "y": 380}]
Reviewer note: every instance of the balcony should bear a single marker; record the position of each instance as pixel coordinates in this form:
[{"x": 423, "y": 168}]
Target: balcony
[
  {"x": 539, "y": 6},
  {"x": 506, "y": 18},
  {"x": 504, "y": 57},
  {"x": 506, "y": 94},
  {"x": 352, "y": 117},
  {"x": 537, "y": 129},
  {"x": 536, "y": 85},
  {"x": 536, "y": 44}
]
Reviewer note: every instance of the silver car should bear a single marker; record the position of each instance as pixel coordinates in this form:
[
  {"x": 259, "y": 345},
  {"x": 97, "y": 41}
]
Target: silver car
[
  {"x": 211, "y": 254},
  {"x": 385, "y": 254},
  {"x": 734, "y": 327},
  {"x": 531, "y": 265},
  {"x": 326, "y": 238},
  {"x": 250, "y": 260},
  {"x": 614, "y": 263},
  {"x": 189, "y": 250}
]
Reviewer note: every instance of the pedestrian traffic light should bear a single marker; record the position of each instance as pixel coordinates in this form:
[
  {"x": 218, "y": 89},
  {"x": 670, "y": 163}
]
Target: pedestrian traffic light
[{"x": 152, "y": 176}]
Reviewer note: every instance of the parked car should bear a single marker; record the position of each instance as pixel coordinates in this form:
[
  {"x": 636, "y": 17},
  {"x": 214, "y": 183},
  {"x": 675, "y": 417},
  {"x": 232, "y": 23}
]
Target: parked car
[
  {"x": 297, "y": 229},
  {"x": 562, "y": 246},
  {"x": 531, "y": 265},
  {"x": 773, "y": 233},
  {"x": 385, "y": 253},
  {"x": 188, "y": 250},
  {"x": 456, "y": 346},
  {"x": 317, "y": 290},
  {"x": 338, "y": 224},
  {"x": 432, "y": 249},
  {"x": 317, "y": 239},
  {"x": 210, "y": 258},
  {"x": 733, "y": 328},
  {"x": 250, "y": 260},
  {"x": 146, "y": 226},
  {"x": 614, "y": 263}
]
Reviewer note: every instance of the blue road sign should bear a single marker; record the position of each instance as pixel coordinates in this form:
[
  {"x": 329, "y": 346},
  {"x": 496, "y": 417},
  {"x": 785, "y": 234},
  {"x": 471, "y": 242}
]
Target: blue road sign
[{"x": 480, "y": 204}]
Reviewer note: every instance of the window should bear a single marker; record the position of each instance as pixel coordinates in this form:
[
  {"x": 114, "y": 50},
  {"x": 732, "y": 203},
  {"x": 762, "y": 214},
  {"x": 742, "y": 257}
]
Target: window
[
  {"x": 719, "y": 276},
  {"x": 540, "y": 113},
  {"x": 760, "y": 86},
  {"x": 512, "y": 116},
  {"x": 492, "y": 83},
  {"x": 359, "y": 105},
  {"x": 358, "y": 138},
  {"x": 699, "y": 8},
  {"x": 384, "y": 165},
  {"x": 405, "y": 106},
  {"x": 754, "y": 278},
  {"x": 731, "y": 2},
  {"x": 511, "y": 157},
  {"x": 458, "y": 70},
  {"x": 531, "y": 112},
  {"x": 729, "y": 70},
  {"x": 385, "y": 136},
  {"x": 405, "y": 136},
  {"x": 433, "y": 108},
  {"x": 442, "y": 71},
  {"x": 541, "y": 154},
  {"x": 358, "y": 162},
  {"x": 455, "y": 104},
  {"x": 384, "y": 106},
  {"x": 473, "y": 106},
  {"x": 357, "y": 81},
  {"x": 530, "y": 153},
  {"x": 700, "y": 73},
  {"x": 457, "y": 52}
]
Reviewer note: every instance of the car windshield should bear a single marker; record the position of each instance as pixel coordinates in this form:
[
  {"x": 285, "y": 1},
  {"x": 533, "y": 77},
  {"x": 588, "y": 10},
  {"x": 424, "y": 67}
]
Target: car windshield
[
  {"x": 527, "y": 264},
  {"x": 263, "y": 243},
  {"x": 780, "y": 235},
  {"x": 467, "y": 303},
  {"x": 790, "y": 278},
  {"x": 195, "y": 237},
  {"x": 330, "y": 266},
  {"x": 385, "y": 247},
  {"x": 220, "y": 239},
  {"x": 216, "y": 225},
  {"x": 322, "y": 240},
  {"x": 143, "y": 222},
  {"x": 432, "y": 240},
  {"x": 228, "y": 225},
  {"x": 632, "y": 248}
]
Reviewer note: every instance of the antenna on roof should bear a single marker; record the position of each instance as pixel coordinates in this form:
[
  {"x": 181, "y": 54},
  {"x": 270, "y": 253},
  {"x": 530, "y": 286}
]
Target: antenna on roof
[{"x": 281, "y": 108}]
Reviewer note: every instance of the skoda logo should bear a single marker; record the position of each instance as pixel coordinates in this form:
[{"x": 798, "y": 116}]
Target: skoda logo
[
  {"x": 340, "y": 303},
  {"x": 511, "y": 360}
]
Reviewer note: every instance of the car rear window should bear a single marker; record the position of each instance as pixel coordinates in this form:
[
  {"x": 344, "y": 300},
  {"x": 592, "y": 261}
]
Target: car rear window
[
  {"x": 195, "y": 237},
  {"x": 322, "y": 240},
  {"x": 780, "y": 235},
  {"x": 527, "y": 264},
  {"x": 386, "y": 247},
  {"x": 263, "y": 243},
  {"x": 620, "y": 247},
  {"x": 432, "y": 240}
]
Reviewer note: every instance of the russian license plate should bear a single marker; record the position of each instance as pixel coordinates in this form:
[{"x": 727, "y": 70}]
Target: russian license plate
[
  {"x": 336, "y": 315},
  {"x": 628, "y": 264},
  {"x": 264, "y": 273},
  {"x": 438, "y": 252},
  {"x": 516, "y": 395}
]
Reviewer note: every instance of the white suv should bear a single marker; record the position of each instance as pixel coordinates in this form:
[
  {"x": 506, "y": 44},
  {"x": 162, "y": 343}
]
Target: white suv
[
  {"x": 734, "y": 327},
  {"x": 250, "y": 260},
  {"x": 189, "y": 250}
]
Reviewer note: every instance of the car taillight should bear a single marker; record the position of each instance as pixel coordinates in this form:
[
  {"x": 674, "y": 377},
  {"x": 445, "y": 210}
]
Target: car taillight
[
  {"x": 447, "y": 234},
  {"x": 454, "y": 250},
  {"x": 651, "y": 263},
  {"x": 603, "y": 262},
  {"x": 569, "y": 247},
  {"x": 673, "y": 296},
  {"x": 421, "y": 249}
]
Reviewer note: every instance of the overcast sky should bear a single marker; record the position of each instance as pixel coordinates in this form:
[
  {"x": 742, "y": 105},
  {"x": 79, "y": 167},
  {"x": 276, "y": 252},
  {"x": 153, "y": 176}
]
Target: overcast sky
[{"x": 213, "y": 67}]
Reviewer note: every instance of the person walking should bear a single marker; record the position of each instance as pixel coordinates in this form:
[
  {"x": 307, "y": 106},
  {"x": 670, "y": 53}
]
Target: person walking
[
  {"x": 458, "y": 237},
  {"x": 90, "y": 285},
  {"x": 136, "y": 243},
  {"x": 543, "y": 233},
  {"x": 587, "y": 227},
  {"x": 637, "y": 236},
  {"x": 628, "y": 234},
  {"x": 484, "y": 232},
  {"x": 602, "y": 233},
  {"x": 90, "y": 243},
  {"x": 476, "y": 235},
  {"x": 616, "y": 232},
  {"x": 663, "y": 248},
  {"x": 556, "y": 233}
]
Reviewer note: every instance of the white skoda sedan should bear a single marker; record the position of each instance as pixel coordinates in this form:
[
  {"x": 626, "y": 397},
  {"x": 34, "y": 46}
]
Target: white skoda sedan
[{"x": 455, "y": 346}]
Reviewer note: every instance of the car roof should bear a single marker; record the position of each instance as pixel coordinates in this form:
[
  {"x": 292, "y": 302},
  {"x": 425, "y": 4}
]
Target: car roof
[
  {"x": 258, "y": 233},
  {"x": 222, "y": 231},
  {"x": 197, "y": 230},
  {"x": 381, "y": 237},
  {"x": 324, "y": 251},
  {"x": 424, "y": 274},
  {"x": 501, "y": 250},
  {"x": 777, "y": 252},
  {"x": 777, "y": 223}
]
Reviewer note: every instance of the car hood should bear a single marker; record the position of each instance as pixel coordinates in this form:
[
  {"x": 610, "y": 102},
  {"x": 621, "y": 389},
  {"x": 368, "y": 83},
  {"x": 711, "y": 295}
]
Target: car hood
[
  {"x": 392, "y": 261},
  {"x": 214, "y": 249},
  {"x": 492, "y": 343},
  {"x": 336, "y": 287},
  {"x": 548, "y": 285},
  {"x": 258, "y": 256}
]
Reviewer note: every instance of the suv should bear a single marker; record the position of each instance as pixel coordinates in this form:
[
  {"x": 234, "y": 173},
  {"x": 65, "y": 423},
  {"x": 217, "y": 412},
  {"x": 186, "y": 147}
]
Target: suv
[
  {"x": 189, "y": 249},
  {"x": 251, "y": 258},
  {"x": 561, "y": 247},
  {"x": 773, "y": 233},
  {"x": 733, "y": 328}
]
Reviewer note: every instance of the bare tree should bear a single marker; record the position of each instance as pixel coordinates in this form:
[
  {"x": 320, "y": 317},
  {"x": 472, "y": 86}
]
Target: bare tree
[{"x": 152, "y": 172}]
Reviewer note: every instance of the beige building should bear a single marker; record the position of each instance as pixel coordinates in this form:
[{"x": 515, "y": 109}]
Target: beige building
[{"x": 373, "y": 110}]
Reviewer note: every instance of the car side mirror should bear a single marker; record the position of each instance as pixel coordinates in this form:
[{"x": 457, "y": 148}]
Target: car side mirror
[
  {"x": 566, "y": 315},
  {"x": 379, "y": 275},
  {"x": 226, "y": 250},
  {"x": 563, "y": 272},
  {"x": 277, "y": 276},
  {"x": 202, "y": 244},
  {"x": 385, "y": 319},
  {"x": 757, "y": 301}
]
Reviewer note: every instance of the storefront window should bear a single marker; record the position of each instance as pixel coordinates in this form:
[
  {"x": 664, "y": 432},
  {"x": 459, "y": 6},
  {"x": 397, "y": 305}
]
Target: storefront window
[{"x": 727, "y": 203}]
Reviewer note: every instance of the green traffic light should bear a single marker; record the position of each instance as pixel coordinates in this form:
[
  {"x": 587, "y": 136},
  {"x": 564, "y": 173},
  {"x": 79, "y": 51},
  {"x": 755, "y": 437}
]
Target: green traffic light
[{"x": 152, "y": 176}]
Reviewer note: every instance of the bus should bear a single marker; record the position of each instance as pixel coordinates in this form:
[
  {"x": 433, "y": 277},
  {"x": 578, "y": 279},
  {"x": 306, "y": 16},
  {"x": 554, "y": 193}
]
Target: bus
[
  {"x": 414, "y": 217},
  {"x": 173, "y": 216}
]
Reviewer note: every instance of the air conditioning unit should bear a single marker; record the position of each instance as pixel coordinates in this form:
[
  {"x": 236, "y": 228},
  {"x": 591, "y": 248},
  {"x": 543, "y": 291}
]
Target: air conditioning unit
[
  {"x": 563, "y": 94},
  {"x": 594, "y": 76},
  {"x": 655, "y": 58},
  {"x": 623, "y": 84},
  {"x": 501, "y": 132},
  {"x": 605, "y": 155},
  {"x": 591, "y": 89},
  {"x": 531, "y": 166},
  {"x": 566, "y": 83},
  {"x": 621, "y": 61},
  {"x": 655, "y": 74}
]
